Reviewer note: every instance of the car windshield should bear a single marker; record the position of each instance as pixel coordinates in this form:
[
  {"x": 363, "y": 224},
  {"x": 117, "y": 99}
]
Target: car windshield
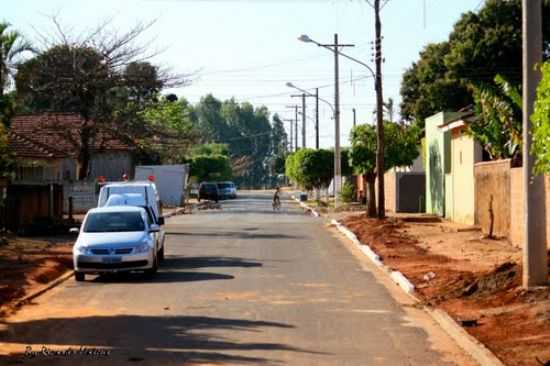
[
  {"x": 108, "y": 222},
  {"x": 225, "y": 185}
]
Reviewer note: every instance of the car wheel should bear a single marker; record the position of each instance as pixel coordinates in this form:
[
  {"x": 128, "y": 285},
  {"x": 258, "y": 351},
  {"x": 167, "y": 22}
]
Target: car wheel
[
  {"x": 79, "y": 276},
  {"x": 151, "y": 271},
  {"x": 161, "y": 254}
]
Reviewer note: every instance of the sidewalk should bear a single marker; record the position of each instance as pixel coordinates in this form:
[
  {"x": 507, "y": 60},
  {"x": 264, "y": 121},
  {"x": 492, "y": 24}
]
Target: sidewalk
[
  {"x": 28, "y": 264},
  {"x": 476, "y": 280}
]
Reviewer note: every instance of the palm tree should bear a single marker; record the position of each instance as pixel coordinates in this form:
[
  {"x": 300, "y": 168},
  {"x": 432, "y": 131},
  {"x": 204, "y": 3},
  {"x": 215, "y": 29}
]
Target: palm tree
[{"x": 12, "y": 45}]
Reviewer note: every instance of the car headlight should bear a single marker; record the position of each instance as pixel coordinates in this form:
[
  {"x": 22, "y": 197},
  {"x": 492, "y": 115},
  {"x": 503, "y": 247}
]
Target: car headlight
[{"x": 144, "y": 247}]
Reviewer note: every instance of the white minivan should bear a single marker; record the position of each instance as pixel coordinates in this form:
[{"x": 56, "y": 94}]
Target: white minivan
[{"x": 146, "y": 189}]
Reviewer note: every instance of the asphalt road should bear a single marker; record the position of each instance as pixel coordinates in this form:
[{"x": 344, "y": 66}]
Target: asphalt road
[{"x": 240, "y": 286}]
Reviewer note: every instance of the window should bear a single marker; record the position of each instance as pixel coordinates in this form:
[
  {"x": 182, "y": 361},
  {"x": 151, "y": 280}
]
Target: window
[{"x": 108, "y": 222}]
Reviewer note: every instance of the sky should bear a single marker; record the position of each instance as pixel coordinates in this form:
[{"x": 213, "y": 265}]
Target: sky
[{"x": 249, "y": 49}]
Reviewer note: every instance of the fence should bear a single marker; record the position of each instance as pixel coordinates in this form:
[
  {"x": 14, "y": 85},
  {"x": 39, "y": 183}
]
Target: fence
[
  {"x": 499, "y": 200},
  {"x": 84, "y": 196}
]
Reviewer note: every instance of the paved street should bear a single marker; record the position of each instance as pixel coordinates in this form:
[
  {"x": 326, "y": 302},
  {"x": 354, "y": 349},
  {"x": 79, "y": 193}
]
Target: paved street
[{"x": 242, "y": 285}]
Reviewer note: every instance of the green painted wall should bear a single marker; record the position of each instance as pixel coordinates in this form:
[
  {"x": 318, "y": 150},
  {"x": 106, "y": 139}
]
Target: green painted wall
[{"x": 437, "y": 161}]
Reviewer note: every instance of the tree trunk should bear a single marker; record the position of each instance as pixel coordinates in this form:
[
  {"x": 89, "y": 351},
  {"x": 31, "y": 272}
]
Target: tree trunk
[
  {"x": 84, "y": 151},
  {"x": 371, "y": 195}
]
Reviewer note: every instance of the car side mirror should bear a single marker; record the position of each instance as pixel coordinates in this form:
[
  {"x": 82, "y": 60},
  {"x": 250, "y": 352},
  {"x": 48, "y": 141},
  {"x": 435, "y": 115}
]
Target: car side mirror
[
  {"x": 74, "y": 230},
  {"x": 154, "y": 228},
  {"x": 161, "y": 221}
]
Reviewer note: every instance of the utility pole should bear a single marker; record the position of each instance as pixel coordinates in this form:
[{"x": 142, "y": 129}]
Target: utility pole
[
  {"x": 295, "y": 120},
  {"x": 354, "y": 118},
  {"x": 303, "y": 120},
  {"x": 337, "y": 156},
  {"x": 317, "y": 118},
  {"x": 291, "y": 130},
  {"x": 535, "y": 258},
  {"x": 296, "y": 127},
  {"x": 379, "y": 113}
]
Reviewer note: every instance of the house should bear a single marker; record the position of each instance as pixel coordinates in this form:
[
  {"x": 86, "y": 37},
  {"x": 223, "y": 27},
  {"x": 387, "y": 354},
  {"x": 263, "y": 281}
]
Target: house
[
  {"x": 46, "y": 147},
  {"x": 451, "y": 155},
  {"x": 403, "y": 188}
]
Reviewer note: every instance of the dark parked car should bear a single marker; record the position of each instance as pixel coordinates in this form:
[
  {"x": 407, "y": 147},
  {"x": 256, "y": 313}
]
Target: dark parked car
[{"x": 209, "y": 191}]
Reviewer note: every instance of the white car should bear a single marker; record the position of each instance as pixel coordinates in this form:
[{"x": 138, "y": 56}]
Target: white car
[{"x": 117, "y": 239}]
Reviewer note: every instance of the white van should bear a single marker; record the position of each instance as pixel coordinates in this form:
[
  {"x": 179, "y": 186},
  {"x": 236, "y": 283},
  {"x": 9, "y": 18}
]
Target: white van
[{"x": 131, "y": 192}]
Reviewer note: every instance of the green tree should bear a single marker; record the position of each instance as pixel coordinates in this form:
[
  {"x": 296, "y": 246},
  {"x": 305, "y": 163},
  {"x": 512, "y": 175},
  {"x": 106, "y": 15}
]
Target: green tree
[
  {"x": 96, "y": 76},
  {"x": 211, "y": 168},
  {"x": 279, "y": 138},
  {"x": 211, "y": 149},
  {"x": 426, "y": 89},
  {"x": 498, "y": 127},
  {"x": 402, "y": 151},
  {"x": 12, "y": 47},
  {"x": 6, "y": 156},
  {"x": 482, "y": 44},
  {"x": 541, "y": 123},
  {"x": 177, "y": 121},
  {"x": 311, "y": 168}
]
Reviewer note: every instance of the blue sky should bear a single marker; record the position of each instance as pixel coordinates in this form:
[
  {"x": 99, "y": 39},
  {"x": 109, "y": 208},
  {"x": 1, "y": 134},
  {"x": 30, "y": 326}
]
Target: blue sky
[{"x": 248, "y": 49}]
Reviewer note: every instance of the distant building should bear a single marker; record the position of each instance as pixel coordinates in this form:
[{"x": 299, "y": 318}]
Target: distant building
[{"x": 46, "y": 147}]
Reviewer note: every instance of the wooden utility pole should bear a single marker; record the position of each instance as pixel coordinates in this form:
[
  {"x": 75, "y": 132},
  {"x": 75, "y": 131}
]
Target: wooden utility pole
[
  {"x": 379, "y": 113},
  {"x": 354, "y": 118},
  {"x": 535, "y": 258}
]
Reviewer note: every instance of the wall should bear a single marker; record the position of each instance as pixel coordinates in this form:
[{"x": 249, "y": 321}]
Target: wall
[
  {"x": 390, "y": 191},
  {"x": 437, "y": 161},
  {"x": 492, "y": 192},
  {"x": 84, "y": 196},
  {"x": 516, "y": 207},
  {"x": 410, "y": 191},
  {"x": 111, "y": 165},
  {"x": 460, "y": 180},
  {"x": 26, "y": 203}
]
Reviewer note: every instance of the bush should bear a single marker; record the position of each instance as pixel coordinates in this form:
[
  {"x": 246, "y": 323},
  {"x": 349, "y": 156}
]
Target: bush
[{"x": 348, "y": 193}]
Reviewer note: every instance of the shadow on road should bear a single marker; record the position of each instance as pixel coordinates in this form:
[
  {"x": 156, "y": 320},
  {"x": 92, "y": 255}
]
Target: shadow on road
[
  {"x": 237, "y": 234},
  {"x": 206, "y": 262},
  {"x": 151, "y": 339},
  {"x": 160, "y": 277}
]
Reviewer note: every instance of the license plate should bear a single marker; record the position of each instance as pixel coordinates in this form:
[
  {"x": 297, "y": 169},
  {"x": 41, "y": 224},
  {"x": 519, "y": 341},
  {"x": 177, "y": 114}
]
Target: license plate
[{"x": 111, "y": 259}]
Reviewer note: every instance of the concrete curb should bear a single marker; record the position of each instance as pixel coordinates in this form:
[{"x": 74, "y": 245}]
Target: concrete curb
[
  {"x": 306, "y": 207},
  {"x": 477, "y": 350}
]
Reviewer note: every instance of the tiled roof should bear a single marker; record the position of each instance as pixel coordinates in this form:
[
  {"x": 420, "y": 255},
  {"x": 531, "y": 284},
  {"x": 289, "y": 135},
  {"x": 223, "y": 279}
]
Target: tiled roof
[
  {"x": 26, "y": 148},
  {"x": 55, "y": 135}
]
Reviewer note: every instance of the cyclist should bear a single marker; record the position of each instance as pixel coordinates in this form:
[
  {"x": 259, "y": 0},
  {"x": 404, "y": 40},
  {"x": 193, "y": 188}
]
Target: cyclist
[{"x": 276, "y": 199}]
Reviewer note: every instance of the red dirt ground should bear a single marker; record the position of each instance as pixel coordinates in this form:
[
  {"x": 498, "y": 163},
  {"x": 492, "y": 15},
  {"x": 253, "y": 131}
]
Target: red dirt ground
[
  {"x": 26, "y": 265},
  {"x": 477, "y": 281}
]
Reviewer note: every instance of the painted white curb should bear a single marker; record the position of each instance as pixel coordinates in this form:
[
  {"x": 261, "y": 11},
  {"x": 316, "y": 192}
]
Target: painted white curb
[
  {"x": 396, "y": 276},
  {"x": 402, "y": 281},
  {"x": 303, "y": 205}
]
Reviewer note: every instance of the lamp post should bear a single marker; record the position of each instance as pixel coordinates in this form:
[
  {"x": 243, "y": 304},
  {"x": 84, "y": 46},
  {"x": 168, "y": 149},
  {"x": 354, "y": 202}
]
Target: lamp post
[{"x": 379, "y": 123}]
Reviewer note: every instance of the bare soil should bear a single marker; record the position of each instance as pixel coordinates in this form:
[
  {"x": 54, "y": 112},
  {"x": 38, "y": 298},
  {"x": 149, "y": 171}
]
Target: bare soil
[
  {"x": 476, "y": 280},
  {"x": 28, "y": 264}
]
